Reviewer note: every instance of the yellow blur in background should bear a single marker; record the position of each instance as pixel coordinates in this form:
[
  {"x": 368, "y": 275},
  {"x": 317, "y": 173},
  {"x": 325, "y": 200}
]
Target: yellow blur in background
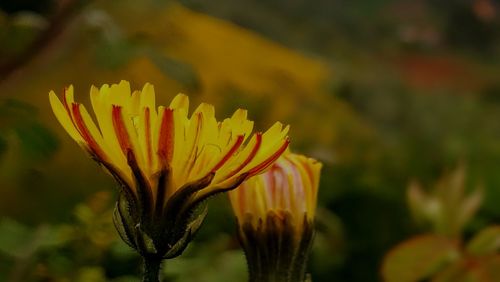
[{"x": 382, "y": 93}]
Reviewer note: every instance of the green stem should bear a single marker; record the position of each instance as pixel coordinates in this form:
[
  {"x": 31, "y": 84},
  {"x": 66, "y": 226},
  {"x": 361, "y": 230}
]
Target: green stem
[{"x": 151, "y": 269}]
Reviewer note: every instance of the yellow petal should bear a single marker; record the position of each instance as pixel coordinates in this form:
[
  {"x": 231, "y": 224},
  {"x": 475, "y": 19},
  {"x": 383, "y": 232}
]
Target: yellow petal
[
  {"x": 148, "y": 97},
  {"x": 180, "y": 101},
  {"x": 63, "y": 117}
]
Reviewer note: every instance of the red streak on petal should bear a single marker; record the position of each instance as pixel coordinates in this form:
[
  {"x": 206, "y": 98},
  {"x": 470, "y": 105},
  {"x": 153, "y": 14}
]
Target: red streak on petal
[
  {"x": 66, "y": 106},
  {"x": 84, "y": 131},
  {"x": 147, "y": 127},
  {"x": 269, "y": 160},
  {"x": 166, "y": 136},
  {"x": 230, "y": 153},
  {"x": 258, "y": 142},
  {"x": 274, "y": 173},
  {"x": 305, "y": 164},
  {"x": 120, "y": 129}
]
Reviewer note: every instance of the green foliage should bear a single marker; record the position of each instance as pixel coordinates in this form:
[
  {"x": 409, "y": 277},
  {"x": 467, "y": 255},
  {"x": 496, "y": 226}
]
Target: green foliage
[
  {"x": 18, "y": 124},
  {"x": 85, "y": 250},
  {"x": 114, "y": 54},
  {"x": 448, "y": 209},
  {"x": 486, "y": 241},
  {"x": 414, "y": 90},
  {"x": 442, "y": 256},
  {"x": 177, "y": 70},
  {"x": 483, "y": 269},
  {"x": 417, "y": 259},
  {"x": 208, "y": 265},
  {"x": 17, "y": 32},
  {"x": 37, "y": 142},
  {"x": 20, "y": 241}
]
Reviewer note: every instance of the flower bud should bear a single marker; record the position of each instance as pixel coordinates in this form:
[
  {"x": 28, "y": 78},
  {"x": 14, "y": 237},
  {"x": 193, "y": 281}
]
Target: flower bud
[{"x": 275, "y": 215}]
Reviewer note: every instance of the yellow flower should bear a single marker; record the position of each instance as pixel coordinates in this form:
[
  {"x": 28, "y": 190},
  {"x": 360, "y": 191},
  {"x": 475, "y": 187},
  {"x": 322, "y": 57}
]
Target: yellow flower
[
  {"x": 275, "y": 214},
  {"x": 165, "y": 161},
  {"x": 289, "y": 186}
]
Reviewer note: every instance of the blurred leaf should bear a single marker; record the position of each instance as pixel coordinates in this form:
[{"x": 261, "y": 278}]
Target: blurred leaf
[
  {"x": 447, "y": 207},
  {"x": 37, "y": 142},
  {"x": 125, "y": 279},
  {"x": 3, "y": 145},
  {"x": 15, "y": 109},
  {"x": 114, "y": 53},
  {"x": 20, "y": 119},
  {"x": 418, "y": 258},
  {"x": 122, "y": 250},
  {"x": 482, "y": 269},
  {"x": 13, "y": 237},
  {"x": 177, "y": 70},
  {"x": 208, "y": 263},
  {"x": 452, "y": 273},
  {"x": 30, "y": 20},
  {"x": 202, "y": 268},
  {"x": 328, "y": 241},
  {"x": 487, "y": 241},
  {"x": 421, "y": 205},
  {"x": 59, "y": 263},
  {"x": 485, "y": 270},
  {"x": 322, "y": 248},
  {"x": 94, "y": 274},
  {"x": 470, "y": 206},
  {"x": 19, "y": 241},
  {"x": 19, "y": 32}
]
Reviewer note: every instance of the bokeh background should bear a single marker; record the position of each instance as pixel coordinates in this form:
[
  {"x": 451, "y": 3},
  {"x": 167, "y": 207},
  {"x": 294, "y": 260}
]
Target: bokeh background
[{"x": 382, "y": 92}]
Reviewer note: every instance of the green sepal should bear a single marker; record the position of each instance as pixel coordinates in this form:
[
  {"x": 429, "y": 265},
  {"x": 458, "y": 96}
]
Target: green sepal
[
  {"x": 192, "y": 227},
  {"x": 143, "y": 190},
  {"x": 304, "y": 247},
  {"x": 276, "y": 250},
  {"x": 174, "y": 206},
  {"x": 165, "y": 230},
  {"x": 145, "y": 242},
  {"x": 124, "y": 222}
]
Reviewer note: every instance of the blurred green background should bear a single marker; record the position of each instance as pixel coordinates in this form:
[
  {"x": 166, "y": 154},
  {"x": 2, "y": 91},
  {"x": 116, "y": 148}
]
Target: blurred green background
[{"x": 382, "y": 92}]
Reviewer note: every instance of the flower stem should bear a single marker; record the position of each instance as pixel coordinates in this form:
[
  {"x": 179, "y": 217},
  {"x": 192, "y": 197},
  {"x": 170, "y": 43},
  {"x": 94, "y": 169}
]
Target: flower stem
[{"x": 151, "y": 269}]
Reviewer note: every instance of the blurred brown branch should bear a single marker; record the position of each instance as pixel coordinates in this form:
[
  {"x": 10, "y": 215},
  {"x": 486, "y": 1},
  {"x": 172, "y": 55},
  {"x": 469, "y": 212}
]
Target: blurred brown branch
[{"x": 64, "y": 13}]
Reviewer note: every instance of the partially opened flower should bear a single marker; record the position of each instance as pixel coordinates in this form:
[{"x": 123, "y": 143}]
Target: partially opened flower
[
  {"x": 166, "y": 162},
  {"x": 275, "y": 215}
]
